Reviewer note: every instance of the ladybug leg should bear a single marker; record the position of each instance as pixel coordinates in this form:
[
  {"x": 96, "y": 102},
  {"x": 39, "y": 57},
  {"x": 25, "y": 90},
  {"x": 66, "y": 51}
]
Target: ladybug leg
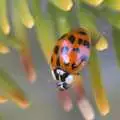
[
  {"x": 82, "y": 102},
  {"x": 65, "y": 100}
]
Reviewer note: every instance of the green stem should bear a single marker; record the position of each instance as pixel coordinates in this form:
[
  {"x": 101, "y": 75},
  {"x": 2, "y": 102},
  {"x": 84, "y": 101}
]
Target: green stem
[
  {"x": 111, "y": 16},
  {"x": 24, "y": 12},
  {"x": 116, "y": 41},
  {"x": 10, "y": 41},
  {"x": 64, "y": 5},
  {"x": 11, "y": 89},
  {"x": 44, "y": 29},
  {"x": 97, "y": 86},
  {"x": 4, "y": 23},
  {"x": 88, "y": 20}
]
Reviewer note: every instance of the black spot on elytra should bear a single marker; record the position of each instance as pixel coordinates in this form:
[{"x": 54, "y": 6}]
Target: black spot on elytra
[
  {"x": 82, "y": 33},
  {"x": 63, "y": 77},
  {"x": 80, "y": 41},
  {"x": 56, "y": 49},
  {"x": 76, "y": 49},
  {"x": 63, "y": 36},
  {"x": 86, "y": 43},
  {"x": 74, "y": 66},
  {"x": 58, "y": 62},
  {"x": 71, "y": 38}
]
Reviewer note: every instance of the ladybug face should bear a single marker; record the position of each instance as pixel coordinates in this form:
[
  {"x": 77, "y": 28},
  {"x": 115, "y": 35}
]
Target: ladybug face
[{"x": 64, "y": 79}]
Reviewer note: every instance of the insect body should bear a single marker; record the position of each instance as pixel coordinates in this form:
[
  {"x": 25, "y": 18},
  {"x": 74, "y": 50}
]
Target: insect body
[{"x": 70, "y": 55}]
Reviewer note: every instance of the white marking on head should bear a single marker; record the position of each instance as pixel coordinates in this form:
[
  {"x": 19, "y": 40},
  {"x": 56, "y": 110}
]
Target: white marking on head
[
  {"x": 60, "y": 72},
  {"x": 69, "y": 79}
]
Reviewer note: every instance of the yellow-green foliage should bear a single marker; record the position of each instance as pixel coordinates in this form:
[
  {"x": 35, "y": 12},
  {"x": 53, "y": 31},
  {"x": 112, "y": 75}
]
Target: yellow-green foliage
[{"x": 46, "y": 33}]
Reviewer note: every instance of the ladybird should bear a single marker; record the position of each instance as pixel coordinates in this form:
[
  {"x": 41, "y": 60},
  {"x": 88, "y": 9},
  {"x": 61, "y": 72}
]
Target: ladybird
[{"x": 70, "y": 55}]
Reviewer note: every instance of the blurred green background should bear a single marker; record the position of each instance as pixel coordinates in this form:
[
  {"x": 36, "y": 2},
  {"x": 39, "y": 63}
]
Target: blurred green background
[{"x": 28, "y": 30}]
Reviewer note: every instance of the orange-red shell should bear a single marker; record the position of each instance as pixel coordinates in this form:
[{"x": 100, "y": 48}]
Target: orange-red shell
[{"x": 70, "y": 49}]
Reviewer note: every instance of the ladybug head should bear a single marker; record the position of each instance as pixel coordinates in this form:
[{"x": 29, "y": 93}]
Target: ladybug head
[{"x": 63, "y": 78}]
